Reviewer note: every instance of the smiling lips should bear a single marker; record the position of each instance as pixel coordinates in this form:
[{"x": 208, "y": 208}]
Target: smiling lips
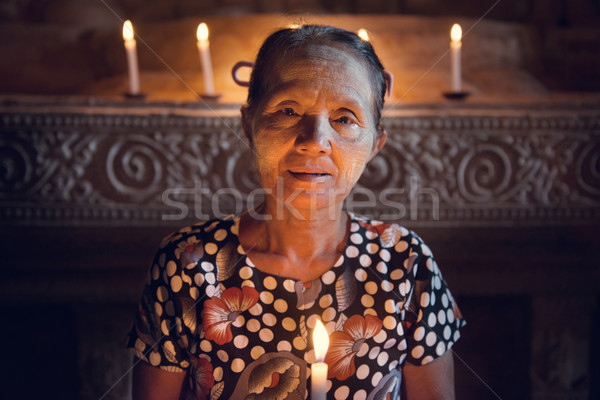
[{"x": 308, "y": 175}]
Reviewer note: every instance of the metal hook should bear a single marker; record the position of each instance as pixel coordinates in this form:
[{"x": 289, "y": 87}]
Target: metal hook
[{"x": 234, "y": 72}]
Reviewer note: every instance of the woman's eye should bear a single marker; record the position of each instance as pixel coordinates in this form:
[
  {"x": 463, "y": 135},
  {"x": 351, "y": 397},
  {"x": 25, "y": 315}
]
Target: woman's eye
[
  {"x": 289, "y": 111},
  {"x": 344, "y": 120}
]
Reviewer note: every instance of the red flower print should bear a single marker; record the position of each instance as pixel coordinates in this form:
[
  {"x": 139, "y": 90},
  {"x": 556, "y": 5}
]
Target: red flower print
[
  {"x": 220, "y": 313},
  {"x": 201, "y": 378},
  {"x": 344, "y": 345}
]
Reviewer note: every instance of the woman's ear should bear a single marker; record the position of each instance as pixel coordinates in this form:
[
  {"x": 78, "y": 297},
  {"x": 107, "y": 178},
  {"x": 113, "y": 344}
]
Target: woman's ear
[
  {"x": 247, "y": 124},
  {"x": 380, "y": 138}
]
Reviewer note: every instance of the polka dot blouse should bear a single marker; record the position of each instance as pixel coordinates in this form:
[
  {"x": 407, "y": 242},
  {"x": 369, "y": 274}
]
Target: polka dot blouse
[{"x": 240, "y": 333}]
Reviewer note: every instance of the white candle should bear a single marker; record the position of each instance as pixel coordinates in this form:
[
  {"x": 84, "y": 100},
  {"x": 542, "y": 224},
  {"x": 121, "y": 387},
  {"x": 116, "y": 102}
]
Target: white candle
[
  {"x": 455, "y": 49},
  {"x": 204, "y": 50},
  {"x": 132, "y": 61},
  {"x": 318, "y": 370}
]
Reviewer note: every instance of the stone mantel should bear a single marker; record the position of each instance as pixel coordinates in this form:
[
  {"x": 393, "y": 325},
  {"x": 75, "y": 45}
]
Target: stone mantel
[{"x": 98, "y": 162}]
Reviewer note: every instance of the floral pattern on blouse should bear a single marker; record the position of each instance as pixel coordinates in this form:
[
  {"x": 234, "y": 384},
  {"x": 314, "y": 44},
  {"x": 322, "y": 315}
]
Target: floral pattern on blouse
[{"x": 240, "y": 333}]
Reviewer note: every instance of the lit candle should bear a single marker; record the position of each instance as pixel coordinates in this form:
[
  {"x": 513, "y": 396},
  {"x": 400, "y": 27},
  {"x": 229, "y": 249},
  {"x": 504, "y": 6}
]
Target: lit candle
[
  {"x": 455, "y": 48},
  {"x": 362, "y": 33},
  {"x": 204, "y": 50},
  {"x": 318, "y": 370},
  {"x": 132, "y": 61}
]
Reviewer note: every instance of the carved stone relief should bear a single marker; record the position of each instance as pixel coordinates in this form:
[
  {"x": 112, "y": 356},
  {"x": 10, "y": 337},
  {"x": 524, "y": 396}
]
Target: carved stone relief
[{"x": 479, "y": 167}]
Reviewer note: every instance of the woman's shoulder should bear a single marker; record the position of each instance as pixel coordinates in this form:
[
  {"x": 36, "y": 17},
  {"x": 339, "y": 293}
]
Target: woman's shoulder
[
  {"x": 388, "y": 234},
  {"x": 198, "y": 240}
]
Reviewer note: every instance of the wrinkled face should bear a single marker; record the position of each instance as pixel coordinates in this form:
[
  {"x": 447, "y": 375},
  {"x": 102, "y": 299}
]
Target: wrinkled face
[{"x": 314, "y": 128}]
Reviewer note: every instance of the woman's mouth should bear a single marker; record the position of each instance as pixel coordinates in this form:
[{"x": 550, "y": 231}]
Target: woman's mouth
[{"x": 310, "y": 176}]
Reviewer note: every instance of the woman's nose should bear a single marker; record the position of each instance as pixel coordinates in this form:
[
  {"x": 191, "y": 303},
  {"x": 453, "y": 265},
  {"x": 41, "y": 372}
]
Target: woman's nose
[{"x": 315, "y": 136}]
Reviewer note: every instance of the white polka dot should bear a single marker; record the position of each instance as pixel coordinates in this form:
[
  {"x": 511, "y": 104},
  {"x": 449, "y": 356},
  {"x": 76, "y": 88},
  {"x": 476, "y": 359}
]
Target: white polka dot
[
  {"x": 360, "y": 395},
  {"x": 218, "y": 373},
  {"x": 401, "y": 246},
  {"x": 155, "y": 272},
  {"x": 440, "y": 348},
  {"x": 356, "y": 238},
  {"x": 247, "y": 283},
  {"x": 220, "y": 234},
  {"x": 328, "y": 277},
  {"x": 417, "y": 352},
  {"x": 176, "y": 284},
  {"x": 374, "y": 352},
  {"x": 256, "y": 352},
  {"x": 370, "y": 311},
  {"x": 390, "y": 306},
  {"x": 269, "y": 319},
  {"x": 387, "y": 286},
  {"x": 266, "y": 297},
  {"x": 447, "y": 332},
  {"x": 382, "y": 267},
  {"x": 210, "y": 248},
  {"x": 162, "y": 294},
  {"x": 210, "y": 278},
  {"x": 441, "y": 317},
  {"x": 238, "y": 365},
  {"x": 256, "y": 310},
  {"x": 370, "y": 235},
  {"x": 280, "y": 306},
  {"x": 326, "y": 301},
  {"x": 270, "y": 283},
  {"x": 376, "y": 378},
  {"x": 198, "y": 279},
  {"x": 289, "y": 285},
  {"x": 223, "y": 356},
  {"x": 206, "y": 266},
  {"x": 365, "y": 260},
  {"x": 402, "y": 289},
  {"x": 419, "y": 333},
  {"x": 427, "y": 360},
  {"x": 402, "y": 345},
  {"x": 246, "y": 272},
  {"x": 445, "y": 300},
  {"x": 288, "y": 324},
  {"x": 431, "y": 320},
  {"x": 360, "y": 274},
  {"x": 425, "y": 249},
  {"x": 389, "y": 322},
  {"x": 354, "y": 227},
  {"x": 425, "y": 299},
  {"x": 311, "y": 321},
  {"x": 393, "y": 365},
  {"x": 240, "y": 341},
  {"x": 194, "y": 293},
  {"x": 154, "y": 359},
  {"x": 240, "y": 320},
  {"x": 450, "y": 313},
  {"x": 299, "y": 343},
  {"x": 430, "y": 339},
  {"x": 339, "y": 261},
  {"x": 351, "y": 252},
  {"x": 266, "y": 335},
  {"x": 390, "y": 343},
  {"x": 385, "y": 255},
  {"x": 342, "y": 393},
  {"x": 364, "y": 349},
  {"x": 397, "y": 274},
  {"x": 372, "y": 248},
  {"x": 380, "y": 337},
  {"x": 158, "y": 308},
  {"x": 206, "y": 346},
  {"x": 362, "y": 372},
  {"x": 284, "y": 345},
  {"x": 329, "y": 314},
  {"x": 171, "y": 268},
  {"x": 367, "y": 300},
  {"x": 456, "y": 335},
  {"x": 371, "y": 287}
]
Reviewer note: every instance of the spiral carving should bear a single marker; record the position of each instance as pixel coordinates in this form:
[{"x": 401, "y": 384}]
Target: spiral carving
[
  {"x": 382, "y": 171},
  {"x": 484, "y": 174},
  {"x": 16, "y": 168},
  {"x": 241, "y": 173},
  {"x": 588, "y": 169},
  {"x": 135, "y": 167}
]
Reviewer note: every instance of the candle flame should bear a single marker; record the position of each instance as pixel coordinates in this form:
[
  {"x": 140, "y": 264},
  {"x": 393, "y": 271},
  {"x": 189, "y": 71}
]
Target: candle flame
[
  {"x": 362, "y": 33},
  {"x": 456, "y": 33},
  {"x": 294, "y": 26},
  {"x": 202, "y": 32},
  {"x": 128, "y": 30},
  {"x": 321, "y": 341}
]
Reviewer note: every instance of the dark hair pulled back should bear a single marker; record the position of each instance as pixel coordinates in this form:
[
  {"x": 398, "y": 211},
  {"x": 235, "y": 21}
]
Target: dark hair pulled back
[{"x": 290, "y": 39}]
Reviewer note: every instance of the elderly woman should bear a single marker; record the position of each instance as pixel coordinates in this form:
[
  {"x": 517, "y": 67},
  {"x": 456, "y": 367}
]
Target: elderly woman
[{"x": 230, "y": 305}]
